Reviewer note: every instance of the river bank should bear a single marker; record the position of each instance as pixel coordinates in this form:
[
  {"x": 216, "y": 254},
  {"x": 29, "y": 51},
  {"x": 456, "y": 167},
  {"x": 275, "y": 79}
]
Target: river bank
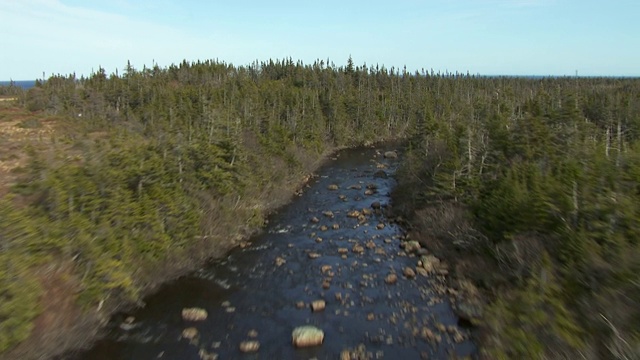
[{"x": 64, "y": 324}]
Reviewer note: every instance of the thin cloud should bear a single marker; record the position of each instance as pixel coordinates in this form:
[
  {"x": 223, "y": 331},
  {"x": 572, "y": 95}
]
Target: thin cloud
[{"x": 59, "y": 38}]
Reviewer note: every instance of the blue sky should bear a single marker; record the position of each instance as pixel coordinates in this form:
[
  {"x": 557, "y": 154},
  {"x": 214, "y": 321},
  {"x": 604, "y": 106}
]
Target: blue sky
[{"x": 488, "y": 37}]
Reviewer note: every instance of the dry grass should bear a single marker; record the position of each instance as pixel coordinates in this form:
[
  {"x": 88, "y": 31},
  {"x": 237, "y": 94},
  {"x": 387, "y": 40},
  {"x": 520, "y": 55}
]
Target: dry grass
[
  {"x": 61, "y": 324},
  {"x": 16, "y": 139}
]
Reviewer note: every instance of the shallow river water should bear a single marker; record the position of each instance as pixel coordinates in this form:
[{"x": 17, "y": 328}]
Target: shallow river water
[{"x": 253, "y": 294}]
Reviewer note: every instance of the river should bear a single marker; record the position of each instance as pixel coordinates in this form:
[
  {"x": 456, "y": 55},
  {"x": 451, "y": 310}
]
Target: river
[{"x": 262, "y": 290}]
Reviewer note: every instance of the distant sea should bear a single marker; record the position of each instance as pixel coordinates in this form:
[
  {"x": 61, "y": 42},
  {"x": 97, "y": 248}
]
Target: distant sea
[{"x": 25, "y": 84}]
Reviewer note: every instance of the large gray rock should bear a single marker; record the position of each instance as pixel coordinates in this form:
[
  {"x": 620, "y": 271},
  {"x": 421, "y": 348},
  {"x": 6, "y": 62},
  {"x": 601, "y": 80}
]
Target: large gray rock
[
  {"x": 391, "y": 155},
  {"x": 305, "y": 336},
  {"x": 430, "y": 263}
]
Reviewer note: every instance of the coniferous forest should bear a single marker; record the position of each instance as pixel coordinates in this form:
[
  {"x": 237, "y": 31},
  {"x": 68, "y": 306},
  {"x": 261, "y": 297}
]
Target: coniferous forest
[{"x": 529, "y": 187}]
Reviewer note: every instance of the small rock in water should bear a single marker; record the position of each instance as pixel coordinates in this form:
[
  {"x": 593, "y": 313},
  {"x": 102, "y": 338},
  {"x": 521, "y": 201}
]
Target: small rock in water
[
  {"x": 305, "y": 336},
  {"x": 368, "y": 192},
  {"x": 422, "y": 271},
  {"x": 353, "y": 214},
  {"x": 252, "y": 333},
  {"x": 194, "y": 314},
  {"x": 409, "y": 273},
  {"x": 204, "y": 355},
  {"x": 324, "y": 228},
  {"x": 249, "y": 346},
  {"x": 430, "y": 262},
  {"x": 313, "y": 255},
  {"x": 314, "y": 220},
  {"x": 335, "y": 226},
  {"x": 391, "y": 279},
  {"x": 380, "y": 226},
  {"x": 190, "y": 333},
  {"x": 300, "y": 305},
  {"x": 318, "y": 305},
  {"x": 127, "y": 324},
  {"x": 280, "y": 261},
  {"x": 411, "y": 246},
  {"x": 328, "y": 214},
  {"x": 333, "y": 187}
]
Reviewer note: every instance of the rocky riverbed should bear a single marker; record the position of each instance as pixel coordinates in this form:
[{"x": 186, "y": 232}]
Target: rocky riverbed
[{"x": 329, "y": 264}]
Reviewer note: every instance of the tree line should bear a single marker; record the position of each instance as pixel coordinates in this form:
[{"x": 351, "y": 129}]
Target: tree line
[{"x": 159, "y": 166}]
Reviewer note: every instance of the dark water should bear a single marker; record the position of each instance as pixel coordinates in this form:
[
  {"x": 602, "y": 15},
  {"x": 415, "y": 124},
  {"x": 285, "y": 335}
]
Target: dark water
[
  {"x": 247, "y": 291},
  {"x": 25, "y": 84}
]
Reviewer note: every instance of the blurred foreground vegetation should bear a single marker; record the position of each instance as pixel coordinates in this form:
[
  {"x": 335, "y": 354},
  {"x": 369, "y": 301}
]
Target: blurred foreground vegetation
[{"x": 151, "y": 171}]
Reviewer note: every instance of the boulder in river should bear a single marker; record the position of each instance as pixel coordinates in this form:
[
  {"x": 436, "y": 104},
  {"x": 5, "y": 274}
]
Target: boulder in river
[
  {"x": 325, "y": 268},
  {"x": 306, "y": 336},
  {"x": 411, "y": 246},
  {"x": 391, "y": 279},
  {"x": 358, "y": 249},
  {"x": 430, "y": 263},
  {"x": 205, "y": 355},
  {"x": 128, "y": 323},
  {"x": 328, "y": 214},
  {"x": 190, "y": 333},
  {"x": 391, "y": 155},
  {"x": 409, "y": 272},
  {"x": 318, "y": 305},
  {"x": 249, "y": 346},
  {"x": 194, "y": 314}
]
